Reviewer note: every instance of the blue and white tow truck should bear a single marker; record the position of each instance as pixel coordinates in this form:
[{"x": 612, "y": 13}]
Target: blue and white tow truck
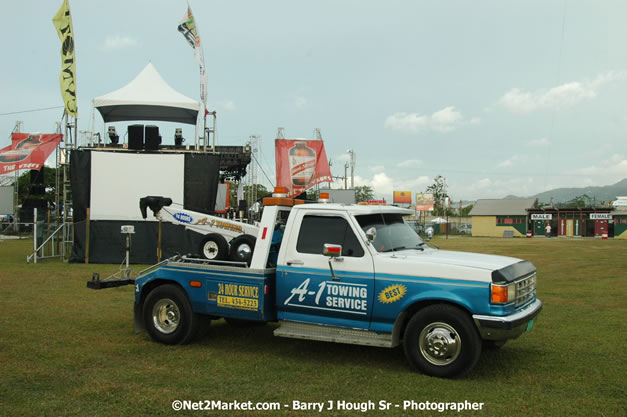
[{"x": 348, "y": 274}]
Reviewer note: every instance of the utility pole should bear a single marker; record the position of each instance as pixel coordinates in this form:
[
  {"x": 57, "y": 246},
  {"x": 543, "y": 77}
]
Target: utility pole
[
  {"x": 253, "y": 142},
  {"x": 16, "y": 185},
  {"x": 352, "y": 161}
]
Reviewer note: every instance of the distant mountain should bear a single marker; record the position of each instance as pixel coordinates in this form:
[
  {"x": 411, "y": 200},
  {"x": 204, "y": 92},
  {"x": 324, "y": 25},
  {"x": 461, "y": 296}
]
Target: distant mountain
[{"x": 604, "y": 193}]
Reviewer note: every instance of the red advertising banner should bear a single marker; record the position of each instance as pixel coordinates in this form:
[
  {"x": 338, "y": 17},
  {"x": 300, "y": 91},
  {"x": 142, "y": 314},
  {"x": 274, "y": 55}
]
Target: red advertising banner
[
  {"x": 27, "y": 151},
  {"x": 300, "y": 164},
  {"x": 402, "y": 197}
]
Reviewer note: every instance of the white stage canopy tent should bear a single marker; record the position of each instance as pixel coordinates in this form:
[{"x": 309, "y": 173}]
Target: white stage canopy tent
[{"x": 147, "y": 97}]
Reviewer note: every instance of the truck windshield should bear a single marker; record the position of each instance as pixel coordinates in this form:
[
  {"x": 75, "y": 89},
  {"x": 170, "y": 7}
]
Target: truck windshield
[{"x": 392, "y": 232}]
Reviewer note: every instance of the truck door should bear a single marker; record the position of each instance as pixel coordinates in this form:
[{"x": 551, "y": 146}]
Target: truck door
[{"x": 306, "y": 290}]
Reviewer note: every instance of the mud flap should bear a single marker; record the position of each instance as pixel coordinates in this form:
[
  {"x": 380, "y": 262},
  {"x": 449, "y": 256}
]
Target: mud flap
[{"x": 138, "y": 319}]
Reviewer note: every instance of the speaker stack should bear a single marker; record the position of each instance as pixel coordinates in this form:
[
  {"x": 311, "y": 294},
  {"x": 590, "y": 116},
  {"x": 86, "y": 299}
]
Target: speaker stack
[
  {"x": 153, "y": 139},
  {"x": 136, "y": 137}
]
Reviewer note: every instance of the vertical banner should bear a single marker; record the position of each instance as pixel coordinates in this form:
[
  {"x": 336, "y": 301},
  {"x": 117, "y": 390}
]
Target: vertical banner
[
  {"x": 63, "y": 23},
  {"x": 301, "y": 164},
  {"x": 187, "y": 26},
  {"x": 402, "y": 197},
  {"x": 27, "y": 151}
]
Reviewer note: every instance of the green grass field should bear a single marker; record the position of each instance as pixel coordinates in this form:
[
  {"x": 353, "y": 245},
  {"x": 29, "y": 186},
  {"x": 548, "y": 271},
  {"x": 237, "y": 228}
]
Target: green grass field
[{"x": 67, "y": 350}]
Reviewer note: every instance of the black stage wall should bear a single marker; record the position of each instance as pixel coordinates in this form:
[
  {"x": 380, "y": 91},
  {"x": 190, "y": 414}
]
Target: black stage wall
[{"x": 111, "y": 184}]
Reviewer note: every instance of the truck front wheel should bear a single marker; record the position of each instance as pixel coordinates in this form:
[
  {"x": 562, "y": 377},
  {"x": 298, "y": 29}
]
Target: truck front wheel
[
  {"x": 214, "y": 247},
  {"x": 168, "y": 316},
  {"x": 441, "y": 340}
]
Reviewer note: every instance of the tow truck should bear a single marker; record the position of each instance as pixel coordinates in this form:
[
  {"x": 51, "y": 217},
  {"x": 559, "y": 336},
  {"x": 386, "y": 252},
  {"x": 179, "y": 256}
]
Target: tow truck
[{"x": 353, "y": 274}]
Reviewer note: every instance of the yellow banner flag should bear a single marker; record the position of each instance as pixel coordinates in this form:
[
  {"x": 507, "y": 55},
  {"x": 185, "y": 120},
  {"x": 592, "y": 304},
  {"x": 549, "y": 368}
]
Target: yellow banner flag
[{"x": 63, "y": 23}]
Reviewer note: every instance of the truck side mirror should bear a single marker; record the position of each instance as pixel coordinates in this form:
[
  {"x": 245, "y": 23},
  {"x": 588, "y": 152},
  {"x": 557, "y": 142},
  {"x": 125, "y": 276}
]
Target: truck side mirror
[
  {"x": 332, "y": 250},
  {"x": 371, "y": 234}
]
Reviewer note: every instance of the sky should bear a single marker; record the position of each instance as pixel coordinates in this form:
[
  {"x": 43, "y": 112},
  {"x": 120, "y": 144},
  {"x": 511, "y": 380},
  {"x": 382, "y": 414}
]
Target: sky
[{"x": 500, "y": 98}]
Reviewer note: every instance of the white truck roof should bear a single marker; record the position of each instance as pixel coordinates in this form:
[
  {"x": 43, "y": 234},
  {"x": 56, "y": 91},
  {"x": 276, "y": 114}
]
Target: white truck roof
[{"x": 355, "y": 209}]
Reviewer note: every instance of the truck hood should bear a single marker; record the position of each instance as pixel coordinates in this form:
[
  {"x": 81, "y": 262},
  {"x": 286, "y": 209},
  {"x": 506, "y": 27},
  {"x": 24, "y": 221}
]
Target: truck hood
[
  {"x": 469, "y": 259},
  {"x": 442, "y": 264}
]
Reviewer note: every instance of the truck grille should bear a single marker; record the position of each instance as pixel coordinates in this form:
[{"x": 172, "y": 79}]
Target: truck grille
[{"x": 525, "y": 289}]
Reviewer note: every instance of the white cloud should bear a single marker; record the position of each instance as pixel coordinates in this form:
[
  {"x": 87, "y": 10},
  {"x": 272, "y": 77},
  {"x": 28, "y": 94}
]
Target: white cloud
[
  {"x": 446, "y": 120},
  {"x": 494, "y": 188},
  {"x": 117, "y": 42},
  {"x": 614, "y": 168},
  {"x": 384, "y": 185},
  {"x": 377, "y": 168},
  {"x": 300, "y": 102},
  {"x": 505, "y": 164},
  {"x": 539, "y": 143},
  {"x": 566, "y": 95},
  {"x": 228, "y": 105},
  {"x": 410, "y": 163},
  {"x": 508, "y": 163}
]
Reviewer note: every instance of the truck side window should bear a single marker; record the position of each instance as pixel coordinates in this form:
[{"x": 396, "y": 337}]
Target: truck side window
[{"x": 315, "y": 231}]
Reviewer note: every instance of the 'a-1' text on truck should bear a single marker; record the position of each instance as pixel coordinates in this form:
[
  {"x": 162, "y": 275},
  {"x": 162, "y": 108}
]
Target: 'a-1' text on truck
[{"x": 349, "y": 274}]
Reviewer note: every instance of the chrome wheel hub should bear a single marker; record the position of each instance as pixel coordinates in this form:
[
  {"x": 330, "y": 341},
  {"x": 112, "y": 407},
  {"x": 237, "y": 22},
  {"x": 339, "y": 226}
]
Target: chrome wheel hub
[
  {"x": 166, "y": 316},
  {"x": 243, "y": 252},
  {"x": 440, "y": 343}
]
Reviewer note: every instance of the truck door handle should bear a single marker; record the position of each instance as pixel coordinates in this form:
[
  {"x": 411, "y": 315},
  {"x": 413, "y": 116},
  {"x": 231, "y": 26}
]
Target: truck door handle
[{"x": 295, "y": 262}]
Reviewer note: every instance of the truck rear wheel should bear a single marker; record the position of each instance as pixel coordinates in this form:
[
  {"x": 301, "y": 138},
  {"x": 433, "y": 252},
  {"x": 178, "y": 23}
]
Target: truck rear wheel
[
  {"x": 242, "y": 248},
  {"x": 441, "y": 340},
  {"x": 168, "y": 316},
  {"x": 214, "y": 247}
]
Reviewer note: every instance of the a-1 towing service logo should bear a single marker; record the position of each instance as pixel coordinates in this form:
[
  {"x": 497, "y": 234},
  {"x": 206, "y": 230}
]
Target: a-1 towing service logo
[{"x": 330, "y": 296}]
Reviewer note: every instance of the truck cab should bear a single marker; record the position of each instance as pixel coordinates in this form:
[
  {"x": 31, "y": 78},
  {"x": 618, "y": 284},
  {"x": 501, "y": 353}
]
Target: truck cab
[{"x": 349, "y": 274}]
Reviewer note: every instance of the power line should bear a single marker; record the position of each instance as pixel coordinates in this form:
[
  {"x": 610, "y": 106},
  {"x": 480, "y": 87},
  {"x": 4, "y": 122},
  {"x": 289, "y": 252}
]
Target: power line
[{"x": 31, "y": 111}]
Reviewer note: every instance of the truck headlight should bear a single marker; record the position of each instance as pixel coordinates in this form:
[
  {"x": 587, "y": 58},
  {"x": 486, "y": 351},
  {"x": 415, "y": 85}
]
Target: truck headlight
[{"x": 502, "y": 294}]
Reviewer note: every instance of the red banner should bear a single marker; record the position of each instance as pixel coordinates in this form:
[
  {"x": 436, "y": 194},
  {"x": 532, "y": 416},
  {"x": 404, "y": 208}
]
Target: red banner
[
  {"x": 300, "y": 164},
  {"x": 27, "y": 151}
]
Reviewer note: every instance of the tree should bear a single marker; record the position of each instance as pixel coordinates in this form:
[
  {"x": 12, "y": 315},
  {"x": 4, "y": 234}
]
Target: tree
[
  {"x": 465, "y": 211},
  {"x": 438, "y": 189},
  {"x": 24, "y": 185},
  {"x": 364, "y": 193},
  {"x": 260, "y": 190}
]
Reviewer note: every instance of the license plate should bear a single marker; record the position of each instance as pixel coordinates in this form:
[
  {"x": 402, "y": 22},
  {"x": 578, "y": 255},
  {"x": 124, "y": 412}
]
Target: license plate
[{"x": 529, "y": 326}]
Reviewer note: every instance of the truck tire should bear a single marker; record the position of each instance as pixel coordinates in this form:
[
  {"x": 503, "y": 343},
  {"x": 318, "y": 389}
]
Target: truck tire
[
  {"x": 242, "y": 248},
  {"x": 441, "y": 340},
  {"x": 168, "y": 316},
  {"x": 214, "y": 247}
]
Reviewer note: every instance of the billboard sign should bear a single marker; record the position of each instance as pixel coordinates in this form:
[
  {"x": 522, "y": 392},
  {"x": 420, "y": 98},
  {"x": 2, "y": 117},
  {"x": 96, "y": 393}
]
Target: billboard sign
[
  {"x": 301, "y": 164},
  {"x": 424, "y": 201},
  {"x": 402, "y": 197}
]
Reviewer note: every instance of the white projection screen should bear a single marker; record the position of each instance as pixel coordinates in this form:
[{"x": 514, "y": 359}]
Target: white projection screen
[{"x": 119, "y": 180}]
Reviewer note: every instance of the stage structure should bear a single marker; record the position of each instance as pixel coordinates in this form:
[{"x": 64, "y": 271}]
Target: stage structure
[{"x": 109, "y": 178}]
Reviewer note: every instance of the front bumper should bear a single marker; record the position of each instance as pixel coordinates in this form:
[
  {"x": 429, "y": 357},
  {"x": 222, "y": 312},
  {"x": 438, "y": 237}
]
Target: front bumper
[{"x": 507, "y": 327}]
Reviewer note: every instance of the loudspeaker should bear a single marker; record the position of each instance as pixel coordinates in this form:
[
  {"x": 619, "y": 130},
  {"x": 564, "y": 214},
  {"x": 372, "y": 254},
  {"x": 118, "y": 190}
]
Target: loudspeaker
[
  {"x": 153, "y": 139},
  {"x": 136, "y": 137},
  {"x": 37, "y": 183}
]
